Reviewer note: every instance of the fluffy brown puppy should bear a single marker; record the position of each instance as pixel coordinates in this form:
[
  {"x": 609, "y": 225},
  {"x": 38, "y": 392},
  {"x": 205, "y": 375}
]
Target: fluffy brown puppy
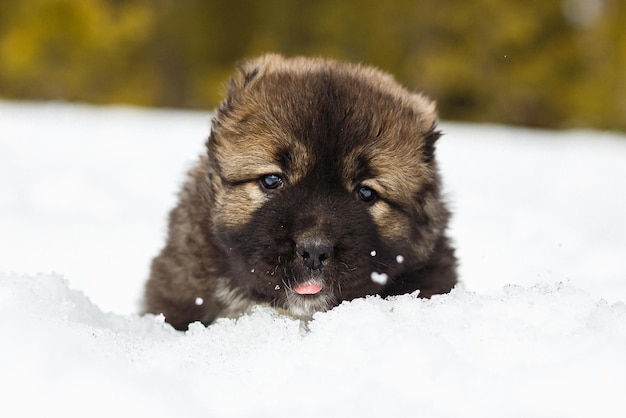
[{"x": 319, "y": 185}]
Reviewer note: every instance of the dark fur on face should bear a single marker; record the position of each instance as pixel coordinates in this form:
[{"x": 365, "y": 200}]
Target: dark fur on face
[{"x": 319, "y": 185}]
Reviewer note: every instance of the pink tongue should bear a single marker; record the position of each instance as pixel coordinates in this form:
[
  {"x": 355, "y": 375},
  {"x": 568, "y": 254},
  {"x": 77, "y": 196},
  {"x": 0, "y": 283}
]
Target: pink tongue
[{"x": 308, "y": 288}]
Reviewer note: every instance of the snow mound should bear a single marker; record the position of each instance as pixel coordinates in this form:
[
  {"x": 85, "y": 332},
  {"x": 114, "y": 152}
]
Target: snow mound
[
  {"x": 86, "y": 191},
  {"x": 541, "y": 351}
]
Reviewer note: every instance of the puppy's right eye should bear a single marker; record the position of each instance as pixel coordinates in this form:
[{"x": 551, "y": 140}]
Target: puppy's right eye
[
  {"x": 272, "y": 182},
  {"x": 366, "y": 194}
]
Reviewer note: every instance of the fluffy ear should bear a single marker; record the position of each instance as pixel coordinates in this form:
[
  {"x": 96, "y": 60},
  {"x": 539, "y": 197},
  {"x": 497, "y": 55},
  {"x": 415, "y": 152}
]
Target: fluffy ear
[
  {"x": 430, "y": 142},
  {"x": 425, "y": 108},
  {"x": 249, "y": 71},
  {"x": 246, "y": 74},
  {"x": 426, "y": 112}
]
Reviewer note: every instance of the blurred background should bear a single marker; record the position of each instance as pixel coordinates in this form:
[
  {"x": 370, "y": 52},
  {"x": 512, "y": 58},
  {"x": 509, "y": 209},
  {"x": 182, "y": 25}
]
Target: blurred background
[{"x": 540, "y": 63}]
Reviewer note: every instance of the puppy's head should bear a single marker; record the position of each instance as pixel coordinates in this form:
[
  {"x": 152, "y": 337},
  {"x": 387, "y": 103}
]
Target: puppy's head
[{"x": 323, "y": 181}]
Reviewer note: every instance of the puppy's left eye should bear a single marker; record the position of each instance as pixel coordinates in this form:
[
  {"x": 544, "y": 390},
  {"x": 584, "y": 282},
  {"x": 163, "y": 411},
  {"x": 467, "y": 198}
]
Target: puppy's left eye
[
  {"x": 366, "y": 194},
  {"x": 272, "y": 182}
]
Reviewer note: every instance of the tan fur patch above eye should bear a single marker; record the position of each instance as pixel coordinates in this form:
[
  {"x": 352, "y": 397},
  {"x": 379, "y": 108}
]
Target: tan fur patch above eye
[
  {"x": 245, "y": 163},
  {"x": 255, "y": 148},
  {"x": 400, "y": 176},
  {"x": 396, "y": 185}
]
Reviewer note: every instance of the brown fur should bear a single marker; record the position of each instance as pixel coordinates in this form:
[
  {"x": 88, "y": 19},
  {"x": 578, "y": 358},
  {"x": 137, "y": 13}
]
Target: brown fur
[{"x": 327, "y": 129}]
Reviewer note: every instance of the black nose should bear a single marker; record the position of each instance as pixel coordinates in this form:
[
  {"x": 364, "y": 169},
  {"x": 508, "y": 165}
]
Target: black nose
[{"x": 314, "y": 252}]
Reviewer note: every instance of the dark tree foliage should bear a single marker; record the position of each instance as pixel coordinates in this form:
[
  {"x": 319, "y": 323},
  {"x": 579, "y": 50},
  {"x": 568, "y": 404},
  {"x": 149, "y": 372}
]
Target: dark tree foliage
[{"x": 547, "y": 63}]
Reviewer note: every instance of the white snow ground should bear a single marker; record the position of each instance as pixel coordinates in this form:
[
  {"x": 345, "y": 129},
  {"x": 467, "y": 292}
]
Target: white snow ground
[{"x": 538, "y": 328}]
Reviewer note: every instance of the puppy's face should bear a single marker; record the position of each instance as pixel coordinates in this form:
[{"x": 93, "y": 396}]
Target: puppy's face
[{"x": 323, "y": 182}]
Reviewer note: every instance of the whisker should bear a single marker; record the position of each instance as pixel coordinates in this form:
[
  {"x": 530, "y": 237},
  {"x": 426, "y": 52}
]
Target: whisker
[
  {"x": 378, "y": 263},
  {"x": 348, "y": 267}
]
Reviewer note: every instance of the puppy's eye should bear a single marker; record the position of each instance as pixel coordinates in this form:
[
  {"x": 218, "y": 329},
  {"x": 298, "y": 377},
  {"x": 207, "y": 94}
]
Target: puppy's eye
[
  {"x": 366, "y": 194},
  {"x": 272, "y": 182}
]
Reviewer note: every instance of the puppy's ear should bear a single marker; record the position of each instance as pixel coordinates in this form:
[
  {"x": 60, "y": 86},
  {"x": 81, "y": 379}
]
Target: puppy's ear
[
  {"x": 425, "y": 109},
  {"x": 426, "y": 112},
  {"x": 246, "y": 74},
  {"x": 249, "y": 71},
  {"x": 430, "y": 142}
]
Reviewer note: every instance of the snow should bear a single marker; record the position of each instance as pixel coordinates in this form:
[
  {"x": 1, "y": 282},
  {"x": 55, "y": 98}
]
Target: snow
[
  {"x": 380, "y": 278},
  {"x": 537, "y": 328}
]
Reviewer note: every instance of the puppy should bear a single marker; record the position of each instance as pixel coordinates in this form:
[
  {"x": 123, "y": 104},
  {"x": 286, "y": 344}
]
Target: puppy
[{"x": 319, "y": 185}]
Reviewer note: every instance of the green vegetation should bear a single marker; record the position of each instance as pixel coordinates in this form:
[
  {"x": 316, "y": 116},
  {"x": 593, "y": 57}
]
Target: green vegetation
[{"x": 548, "y": 63}]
